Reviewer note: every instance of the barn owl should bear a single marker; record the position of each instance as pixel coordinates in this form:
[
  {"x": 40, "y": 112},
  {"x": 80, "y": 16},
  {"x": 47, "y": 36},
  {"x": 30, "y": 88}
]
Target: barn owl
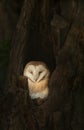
[{"x": 38, "y": 76}]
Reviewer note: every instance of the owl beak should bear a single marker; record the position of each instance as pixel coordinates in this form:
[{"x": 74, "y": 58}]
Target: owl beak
[{"x": 35, "y": 78}]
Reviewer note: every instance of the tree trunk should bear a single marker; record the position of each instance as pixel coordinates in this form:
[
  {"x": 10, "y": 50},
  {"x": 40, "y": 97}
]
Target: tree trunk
[{"x": 49, "y": 31}]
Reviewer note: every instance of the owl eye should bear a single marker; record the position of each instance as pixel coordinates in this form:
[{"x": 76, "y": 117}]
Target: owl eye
[
  {"x": 40, "y": 72},
  {"x": 31, "y": 72}
]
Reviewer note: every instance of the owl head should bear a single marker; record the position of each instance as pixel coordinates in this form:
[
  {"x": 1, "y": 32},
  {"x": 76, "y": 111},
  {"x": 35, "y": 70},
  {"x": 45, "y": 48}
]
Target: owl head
[{"x": 36, "y": 71}]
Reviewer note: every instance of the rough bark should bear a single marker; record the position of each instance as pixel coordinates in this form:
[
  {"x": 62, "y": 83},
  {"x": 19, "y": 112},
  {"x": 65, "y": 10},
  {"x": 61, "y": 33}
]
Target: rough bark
[
  {"x": 45, "y": 32},
  {"x": 17, "y": 109}
]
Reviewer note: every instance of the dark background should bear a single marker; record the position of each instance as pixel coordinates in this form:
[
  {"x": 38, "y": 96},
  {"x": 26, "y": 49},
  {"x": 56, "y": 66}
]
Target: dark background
[{"x": 9, "y": 14}]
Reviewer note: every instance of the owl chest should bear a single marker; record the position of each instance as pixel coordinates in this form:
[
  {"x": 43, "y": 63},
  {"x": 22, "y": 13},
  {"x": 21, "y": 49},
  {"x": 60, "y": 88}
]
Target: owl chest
[
  {"x": 38, "y": 90},
  {"x": 37, "y": 87}
]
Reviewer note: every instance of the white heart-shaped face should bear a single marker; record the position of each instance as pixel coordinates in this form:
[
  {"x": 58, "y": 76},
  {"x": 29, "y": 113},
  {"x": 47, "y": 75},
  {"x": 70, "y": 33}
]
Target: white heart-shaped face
[{"x": 36, "y": 73}]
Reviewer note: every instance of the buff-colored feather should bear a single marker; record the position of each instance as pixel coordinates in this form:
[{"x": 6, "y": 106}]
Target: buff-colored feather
[{"x": 38, "y": 76}]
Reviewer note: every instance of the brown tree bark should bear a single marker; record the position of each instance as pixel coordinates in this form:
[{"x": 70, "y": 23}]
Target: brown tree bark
[{"x": 45, "y": 32}]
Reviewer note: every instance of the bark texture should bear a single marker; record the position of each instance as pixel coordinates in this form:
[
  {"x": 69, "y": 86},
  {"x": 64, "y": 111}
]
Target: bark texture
[{"x": 53, "y": 32}]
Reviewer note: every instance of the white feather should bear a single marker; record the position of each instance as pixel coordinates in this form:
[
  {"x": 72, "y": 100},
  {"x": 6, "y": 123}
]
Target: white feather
[{"x": 42, "y": 94}]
